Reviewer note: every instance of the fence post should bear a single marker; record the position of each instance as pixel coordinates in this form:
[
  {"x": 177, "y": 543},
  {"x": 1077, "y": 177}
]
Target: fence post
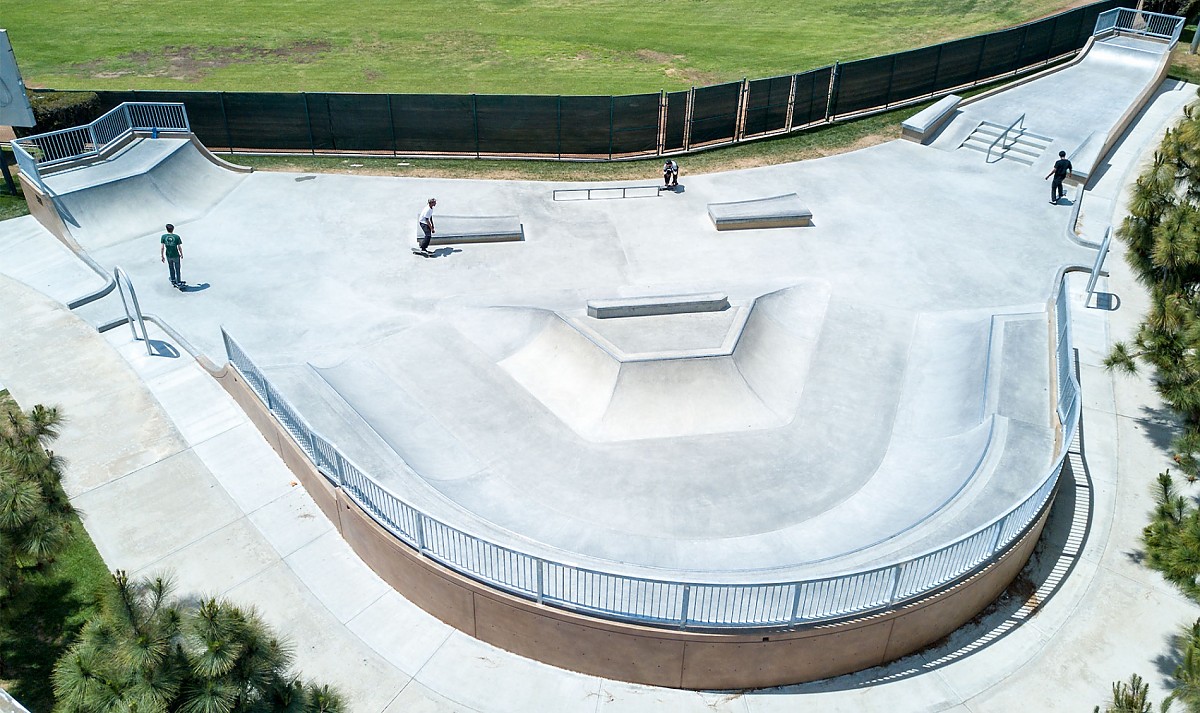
[
  {"x": 661, "y": 138},
  {"x": 795, "y": 618},
  {"x": 329, "y": 122},
  {"x": 979, "y": 60},
  {"x": 558, "y": 124},
  {"x": 687, "y": 119},
  {"x": 312, "y": 145},
  {"x": 475, "y": 122},
  {"x": 791, "y": 107},
  {"x": 225, "y": 122},
  {"x": 887, "y": 98},
  {"x": 833, "y": 85},
  {"x": 392, "y": 124},
  {"x": 937, "y": 70},
  {"x": 739, "y": 126},
  {"x": 420, "y": 532},
  {"x": 1020, "y": 51},
  {"x": 612, "y": 102}
]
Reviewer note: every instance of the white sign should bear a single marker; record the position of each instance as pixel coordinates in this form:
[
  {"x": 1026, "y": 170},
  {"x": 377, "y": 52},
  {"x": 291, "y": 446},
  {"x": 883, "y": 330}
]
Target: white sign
[{"x": 14, "y": 103}]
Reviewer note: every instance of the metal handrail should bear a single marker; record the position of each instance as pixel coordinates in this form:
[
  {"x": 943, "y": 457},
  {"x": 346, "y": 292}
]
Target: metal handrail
[
  {"x": 122, "y": 280},
  {"x": 679, "y": 604},
  {"x": 1020, "y": 120},
  {"x": 1096, "y": 267}
]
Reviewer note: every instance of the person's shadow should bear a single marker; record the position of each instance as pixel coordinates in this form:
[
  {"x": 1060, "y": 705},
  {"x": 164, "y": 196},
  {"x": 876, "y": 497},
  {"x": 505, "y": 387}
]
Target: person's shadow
[
  {"x": 444, "y": 252},
  {"x": 195, "y": 288}
]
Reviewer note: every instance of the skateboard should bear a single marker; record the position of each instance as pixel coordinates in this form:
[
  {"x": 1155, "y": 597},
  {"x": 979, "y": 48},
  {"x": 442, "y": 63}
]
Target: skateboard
[{"x": 421, "y": 253}]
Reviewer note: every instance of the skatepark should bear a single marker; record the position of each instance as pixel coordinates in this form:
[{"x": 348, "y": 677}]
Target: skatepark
[{"x": 868, "y": 389}]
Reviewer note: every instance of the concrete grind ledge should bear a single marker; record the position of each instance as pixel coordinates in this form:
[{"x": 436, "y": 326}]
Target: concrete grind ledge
[
  {"x": 453, "y": 229},
  {"x": 665, "y": 304},
  {"x": 784, "y": 211}
]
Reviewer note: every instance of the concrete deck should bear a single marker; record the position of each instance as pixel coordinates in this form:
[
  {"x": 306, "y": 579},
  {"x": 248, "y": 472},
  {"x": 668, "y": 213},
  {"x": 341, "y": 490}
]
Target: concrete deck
[{"x": 226, "y": 508}]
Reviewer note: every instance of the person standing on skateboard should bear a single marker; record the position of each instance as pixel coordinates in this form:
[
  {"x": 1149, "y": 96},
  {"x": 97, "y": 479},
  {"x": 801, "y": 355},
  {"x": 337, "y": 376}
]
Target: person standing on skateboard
[
  {"x": 425, "y": 222},
  {"x": 171, "y": 252}
]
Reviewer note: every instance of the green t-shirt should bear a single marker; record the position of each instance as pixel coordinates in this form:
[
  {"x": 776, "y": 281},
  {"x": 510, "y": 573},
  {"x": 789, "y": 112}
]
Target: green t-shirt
[{"x": 172, "y": 241}]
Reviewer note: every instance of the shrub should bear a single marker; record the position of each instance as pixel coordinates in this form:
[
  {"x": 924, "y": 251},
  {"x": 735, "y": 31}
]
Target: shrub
[{"x": 60, "y": 110}]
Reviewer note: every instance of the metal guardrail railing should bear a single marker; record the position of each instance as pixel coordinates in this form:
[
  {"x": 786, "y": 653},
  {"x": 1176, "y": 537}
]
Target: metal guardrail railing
[
  {"x": 1004, "y": 136},
  {"x": 678, "y": 604},
  {"x": 1146, "y": 24},
  {"x": 80, "y": 142}
]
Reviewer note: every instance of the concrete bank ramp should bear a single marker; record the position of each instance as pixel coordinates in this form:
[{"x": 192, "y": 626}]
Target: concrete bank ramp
[
  {"x": 1120, "y": 73},
  {"x": 137, "y": 191}
]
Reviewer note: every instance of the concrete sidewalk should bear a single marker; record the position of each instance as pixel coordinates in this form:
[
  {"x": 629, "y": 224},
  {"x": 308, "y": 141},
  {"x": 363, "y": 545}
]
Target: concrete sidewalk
[{"x": 171, "y": 475}]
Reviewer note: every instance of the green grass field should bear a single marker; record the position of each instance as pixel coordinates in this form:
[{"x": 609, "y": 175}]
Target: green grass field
[{"x": 463, "y": 46}]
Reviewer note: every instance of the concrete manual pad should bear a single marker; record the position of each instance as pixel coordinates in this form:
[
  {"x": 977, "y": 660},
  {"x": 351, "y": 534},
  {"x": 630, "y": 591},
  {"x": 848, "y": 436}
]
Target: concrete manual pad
[{"x": 775, "y": 212}]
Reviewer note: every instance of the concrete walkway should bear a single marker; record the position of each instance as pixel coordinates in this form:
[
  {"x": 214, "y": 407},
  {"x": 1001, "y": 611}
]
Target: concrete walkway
[{"x": 170, "y": 475}]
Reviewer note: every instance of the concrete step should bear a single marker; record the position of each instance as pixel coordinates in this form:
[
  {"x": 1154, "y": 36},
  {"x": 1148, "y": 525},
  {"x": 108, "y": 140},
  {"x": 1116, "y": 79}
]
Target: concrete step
[{"x": 1022, "y": 146}]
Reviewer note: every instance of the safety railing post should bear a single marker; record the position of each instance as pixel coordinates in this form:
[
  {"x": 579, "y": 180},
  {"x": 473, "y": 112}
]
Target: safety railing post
[
  {"x": 898, "y": 571},
  {"x": 683, "y": 607},
  {"x": 1000, "y": 524},
  {"x": 541, "y": 580}
]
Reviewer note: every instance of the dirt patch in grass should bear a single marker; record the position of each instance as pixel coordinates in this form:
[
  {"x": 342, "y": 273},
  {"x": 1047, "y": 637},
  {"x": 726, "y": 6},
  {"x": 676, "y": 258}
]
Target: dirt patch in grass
[
  {"x": 656, "y": 56},
  {"x": 191, "y": 63}
]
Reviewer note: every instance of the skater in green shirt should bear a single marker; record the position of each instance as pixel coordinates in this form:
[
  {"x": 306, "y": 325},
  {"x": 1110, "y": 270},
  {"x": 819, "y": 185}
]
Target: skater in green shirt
[{"x": 171, "y": 252}]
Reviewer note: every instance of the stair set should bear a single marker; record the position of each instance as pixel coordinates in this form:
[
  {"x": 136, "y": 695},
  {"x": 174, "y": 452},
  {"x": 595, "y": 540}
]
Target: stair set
[{"x": 1020, "y": 145}]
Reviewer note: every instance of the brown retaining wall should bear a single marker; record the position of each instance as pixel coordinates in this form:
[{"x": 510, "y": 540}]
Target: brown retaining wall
[{"x": 628, "y": 652}]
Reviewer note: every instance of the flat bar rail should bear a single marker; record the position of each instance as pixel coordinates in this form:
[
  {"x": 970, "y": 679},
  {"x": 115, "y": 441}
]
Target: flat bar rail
[
  {"x": 1004, "y": 136},
  {"x": 90, "y": 140},
  {"x": 684, "y": 605},
  {"x": 611, "y": 193}
]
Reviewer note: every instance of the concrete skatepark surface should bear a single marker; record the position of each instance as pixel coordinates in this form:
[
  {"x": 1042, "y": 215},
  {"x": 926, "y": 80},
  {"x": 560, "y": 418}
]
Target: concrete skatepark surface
[
  {"x": 472, "y": 386},
  {"x": 1031, "y": 216}
]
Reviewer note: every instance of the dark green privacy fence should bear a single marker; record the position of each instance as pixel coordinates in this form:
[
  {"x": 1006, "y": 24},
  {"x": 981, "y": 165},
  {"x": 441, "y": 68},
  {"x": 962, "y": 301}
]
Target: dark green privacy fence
[{"x": 606, "y": 127}]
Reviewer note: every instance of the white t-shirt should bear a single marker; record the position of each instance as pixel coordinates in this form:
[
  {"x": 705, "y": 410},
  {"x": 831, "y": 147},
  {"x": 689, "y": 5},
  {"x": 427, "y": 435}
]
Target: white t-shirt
[{"x": 426, "y": 215}]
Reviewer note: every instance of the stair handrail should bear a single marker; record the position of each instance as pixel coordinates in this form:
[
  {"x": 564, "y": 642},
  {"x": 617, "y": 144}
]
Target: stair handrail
[
  {"x": 1020, "y": 120},
  {"x": 133, "y": 316}
]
